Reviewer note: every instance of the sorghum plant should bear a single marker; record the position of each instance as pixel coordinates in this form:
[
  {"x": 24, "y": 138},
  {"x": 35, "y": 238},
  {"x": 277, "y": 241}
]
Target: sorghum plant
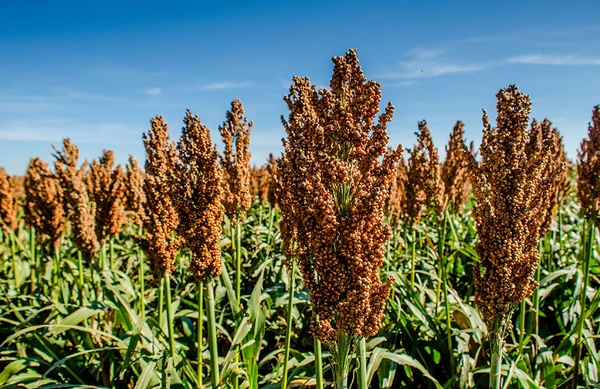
[
  {"x": 8, "y": 203},
  {"x": 81, "y": 209},
  {"x": 333, "y": 186},
  {"x": 108, "y": 193},
  {"x": 43, "y": 206},
  {"x": 161, "y": 216},
  {"x": 512, "y": 199},
  {"x": 134, "y": 190},
  {"x": 199, "y": 197},
  {"x": 454, "y": 174},
  {"x": 588, "y": 192}
]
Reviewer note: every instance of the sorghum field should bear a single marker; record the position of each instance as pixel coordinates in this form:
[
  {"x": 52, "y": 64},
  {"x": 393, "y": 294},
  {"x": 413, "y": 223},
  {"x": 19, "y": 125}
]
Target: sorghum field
[{"x": 343, "y": 263}]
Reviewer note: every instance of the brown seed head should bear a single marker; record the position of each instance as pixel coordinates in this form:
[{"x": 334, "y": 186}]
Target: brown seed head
[
  {"x": 235, "y": 133},
  {"x": 454, "y": 172},
  {"x": 134, "y": 190},
  {"x": 512, "y": 198},
  {"x": 588, "y": 171},
  {"x": 8, "y": 202},
  {"x": 108, "y": 184},
  {"x": 199, "y": 196},
  {"x": 43, "y": 205},
  {"x": 78, "y": 205},
  {"x": 332, "y": 183},
  {"x": 161, "y": 217}
]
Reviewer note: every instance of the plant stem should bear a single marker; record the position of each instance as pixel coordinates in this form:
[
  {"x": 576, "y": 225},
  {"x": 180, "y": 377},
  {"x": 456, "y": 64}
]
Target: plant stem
[
  {"x": 496, "y": 365},
  {"x": 13, "y": 252},
  {"x": 111, "y": 254},
  {"x": 441, "y": 245},
  {"x": 523, "y": 312},
  {"x": 238, "y": 280},
  {"x": 318, "y": 363},
  {"x": 200, "y": 327},
  {"x": 34, "y": 268},
  {"x": 588, "y": 244},
  {"x": 142, "y": 283},
  {"x": 341, "y": 361},
  {"x": 413, "y": 258},
  {"x": 161, "y": 299},
  {"x": 212, "y": 335},
  {"x": 288, "y": 328},
  {"x": 167, "y": 278},
  {"x": 362, "y": 370}
]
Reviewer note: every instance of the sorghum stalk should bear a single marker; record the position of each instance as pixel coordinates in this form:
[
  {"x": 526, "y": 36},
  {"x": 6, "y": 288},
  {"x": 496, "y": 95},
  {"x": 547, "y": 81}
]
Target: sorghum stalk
[
  {"x": 198, "y": 199},
  {"x": 318, "y": 362},
  {"x": 212, "y": 334},
  {"x": 512, "y": 188},
  {"x": 334, "y": 178},
  {"x": 588, "y": 193},
  {"x": 588, "y": 244},
  {"x": 199, "y": 329},
  {"x": 288, "y": 328},
  {"x": 362, "y": 368}
]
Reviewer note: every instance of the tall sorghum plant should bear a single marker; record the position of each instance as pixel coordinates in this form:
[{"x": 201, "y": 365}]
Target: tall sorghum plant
[
  {"x": 334, "y": 178},
  {"x": 161, "y": 216},
  {"x": 588, "y": 192},
  {"x": 235, "y": 133},
  {"x": 198, "y": 197},
  {"x": 512, "y": 199}
]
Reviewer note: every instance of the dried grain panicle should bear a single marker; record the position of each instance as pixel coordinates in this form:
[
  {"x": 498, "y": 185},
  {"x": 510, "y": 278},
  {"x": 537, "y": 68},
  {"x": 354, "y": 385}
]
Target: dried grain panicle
[
  {"x": 235, "y": 133},
  {"x": 199, "y": 196},
  {"x": 43, "y": 206},
  {"x": 162, "y": 217},
  {"x": 512, "y": 198},
  {"x": 331, "y": 187},
  {"x": 588, "y": 170},
  {"x": 78, "y": 205}
]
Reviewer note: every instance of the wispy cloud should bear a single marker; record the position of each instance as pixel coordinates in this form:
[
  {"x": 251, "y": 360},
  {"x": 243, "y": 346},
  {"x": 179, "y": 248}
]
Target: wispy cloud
[
  {"x": 225, "y": 85},
  {"x": 558, "y": 60},
  {"x": 430, "y": 63},
  {"x": 57, "y": 130},
  {"x": 153, "y": 91}
]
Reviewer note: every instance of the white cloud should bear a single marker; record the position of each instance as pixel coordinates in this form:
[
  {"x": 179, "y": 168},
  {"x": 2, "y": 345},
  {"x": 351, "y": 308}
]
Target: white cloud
[
  {"x": 225, "y": 85},
  {"x": 430, "y": 63},
  {"x": 560, "y": 60},
  {"x": 153, "y": 91}
]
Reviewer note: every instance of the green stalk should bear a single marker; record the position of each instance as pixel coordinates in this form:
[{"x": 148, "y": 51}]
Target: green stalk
[
  {"x": 80, "y": 269},
  {"x": 212, "y": 335},
  {"x": 523, "y": 310},
  {"x": 318, "y": 363},
  {"x": 588, "y": 244},
  {"x": 341, "y": 361},
  {"x": 238, "y": 279},
  {"x": 142, "y": 284},
  {"x": 56, "y": 262},
  {"x": 441, "y": 245},
  {"x": 161, "y": 299},
  {"x": 414, "y": 257},
  {"x": 34, "y": 268},
  {"x": 362, "y": 370},
  {"x": 496, "y": 363},
  {"x": 288, "y": 329},
  {"x": 199, "y": 329},
  {"x": 13, "y": 252},
  {"x": 238, "y": 260},
  {"x": 167, "y": 278},
  {"x": 111, "y": 258}
]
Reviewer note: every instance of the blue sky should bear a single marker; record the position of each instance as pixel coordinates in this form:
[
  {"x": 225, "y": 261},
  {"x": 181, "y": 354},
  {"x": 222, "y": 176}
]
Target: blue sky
[{"x": 98, "y": 71}]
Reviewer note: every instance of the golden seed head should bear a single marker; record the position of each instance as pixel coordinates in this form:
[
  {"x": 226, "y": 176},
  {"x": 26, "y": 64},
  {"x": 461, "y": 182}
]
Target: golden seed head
[
  {"x": 588, "y": 170},
  {"x": 235, "y": 133},
  {"x": 43, "y": 207},
  {"x": 9, "y": 204},
  {"x": 512, "y": 189},
  {"x": 198, "y": 196},
  {"x": 160, "y": 215},
  {"x": 332, "y": 183},
  {"x": 77, "y": 200}
]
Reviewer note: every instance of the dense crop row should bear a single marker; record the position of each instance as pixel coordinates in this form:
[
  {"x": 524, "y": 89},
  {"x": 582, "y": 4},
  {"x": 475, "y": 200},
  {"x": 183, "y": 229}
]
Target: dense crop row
[{"x": 340, "y": 264}]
